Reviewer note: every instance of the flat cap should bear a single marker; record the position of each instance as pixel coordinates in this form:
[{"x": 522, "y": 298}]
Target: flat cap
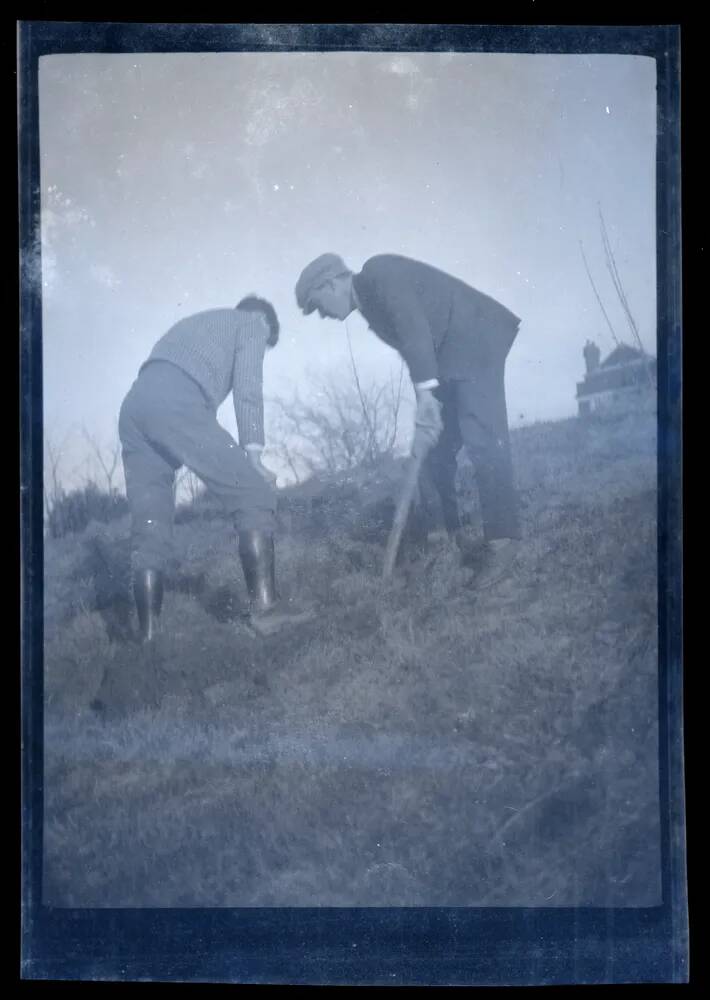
[{"x": 320, "y": 270}]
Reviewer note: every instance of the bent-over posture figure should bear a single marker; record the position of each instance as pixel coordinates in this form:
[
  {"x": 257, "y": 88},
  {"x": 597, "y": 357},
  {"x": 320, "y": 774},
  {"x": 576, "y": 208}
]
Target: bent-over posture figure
[
  {"x": 454, "y": 340},
  {"x": 169, "y": 419}
]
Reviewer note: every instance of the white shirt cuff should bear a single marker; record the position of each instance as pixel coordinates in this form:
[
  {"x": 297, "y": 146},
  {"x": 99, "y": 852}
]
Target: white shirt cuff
[
  {"x": 431, "y": 383},
  {"x": 253, "y": 447}
]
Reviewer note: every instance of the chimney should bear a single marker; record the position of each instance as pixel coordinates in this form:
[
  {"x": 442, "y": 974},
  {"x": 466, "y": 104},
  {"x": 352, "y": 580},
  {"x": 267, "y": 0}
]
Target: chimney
[{"x": 592, "y": 356}]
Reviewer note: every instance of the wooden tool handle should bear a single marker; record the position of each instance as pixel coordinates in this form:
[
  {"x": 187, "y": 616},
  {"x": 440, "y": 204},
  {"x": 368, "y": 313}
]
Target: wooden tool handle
[{"x": 409, "y": 487}]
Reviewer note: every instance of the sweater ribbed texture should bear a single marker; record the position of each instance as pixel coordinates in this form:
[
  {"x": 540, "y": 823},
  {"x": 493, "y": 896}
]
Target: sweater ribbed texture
[{"x": 223, "y": 351}]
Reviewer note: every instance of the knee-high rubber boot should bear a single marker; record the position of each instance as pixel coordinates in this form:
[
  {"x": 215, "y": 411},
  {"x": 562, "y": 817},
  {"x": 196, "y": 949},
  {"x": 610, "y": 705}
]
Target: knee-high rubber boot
[
  {"x": 256, "y": 551},
  {"x": 268, "y": 612},
  {"x": 148, "y": 594}
]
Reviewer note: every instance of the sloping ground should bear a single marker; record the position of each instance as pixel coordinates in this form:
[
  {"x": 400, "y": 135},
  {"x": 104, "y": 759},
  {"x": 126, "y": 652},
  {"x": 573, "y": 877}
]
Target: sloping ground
[{"x": 421, "y": 744}]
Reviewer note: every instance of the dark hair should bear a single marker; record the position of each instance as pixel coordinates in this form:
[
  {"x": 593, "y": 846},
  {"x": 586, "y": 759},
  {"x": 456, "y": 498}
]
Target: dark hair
[{"x": 252, "y": 303}]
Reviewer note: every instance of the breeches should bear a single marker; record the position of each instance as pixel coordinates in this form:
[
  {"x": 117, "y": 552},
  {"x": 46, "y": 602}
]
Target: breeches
[{"x": 166, "y": 421}]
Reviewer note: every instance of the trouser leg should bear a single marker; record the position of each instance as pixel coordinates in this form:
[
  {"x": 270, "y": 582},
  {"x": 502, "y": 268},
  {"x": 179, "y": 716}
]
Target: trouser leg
[
  {"x": 440, "y": 464},
  {"x": 177, "y": 418},
  {"x": 483, "y": 421},
  {"x": 209, "y": 451},
  {"x": 150, "y": 478}
]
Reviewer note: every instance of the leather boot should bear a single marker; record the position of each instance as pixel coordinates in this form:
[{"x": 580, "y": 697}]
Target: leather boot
[
  {"x": 148, "y": 594},
  {"x": 268, "y": 613}
]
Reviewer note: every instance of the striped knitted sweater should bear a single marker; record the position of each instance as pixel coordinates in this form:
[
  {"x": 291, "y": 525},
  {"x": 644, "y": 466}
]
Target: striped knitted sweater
[{"x": 223, "y": 351}]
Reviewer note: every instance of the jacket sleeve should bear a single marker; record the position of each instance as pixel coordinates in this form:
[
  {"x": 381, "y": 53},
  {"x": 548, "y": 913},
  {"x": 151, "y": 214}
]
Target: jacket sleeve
[
  {"x": 248, "y": 379},
  {"x": 397, "y": 302}
]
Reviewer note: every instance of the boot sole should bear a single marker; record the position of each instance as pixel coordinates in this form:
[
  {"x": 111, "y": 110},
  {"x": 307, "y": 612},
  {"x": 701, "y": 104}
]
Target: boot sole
[
  {"x": 265, "y": 628},
  {"x": 492, "y": 582}
]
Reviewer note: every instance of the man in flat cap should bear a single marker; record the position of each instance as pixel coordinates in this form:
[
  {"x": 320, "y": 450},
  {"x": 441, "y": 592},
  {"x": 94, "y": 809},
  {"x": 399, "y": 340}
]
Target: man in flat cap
[
  {"x": 454, "y": 340},
  {"x": 169, "y": 419}
]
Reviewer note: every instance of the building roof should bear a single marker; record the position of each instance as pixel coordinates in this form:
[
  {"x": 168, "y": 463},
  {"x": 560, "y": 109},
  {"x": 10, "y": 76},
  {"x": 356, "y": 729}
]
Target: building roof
[
  {"x": 622, "y": 355},
  {"x": 618, "y": 376}
]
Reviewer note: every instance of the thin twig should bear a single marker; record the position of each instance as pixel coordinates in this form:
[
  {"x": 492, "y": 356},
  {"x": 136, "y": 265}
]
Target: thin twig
[
  {"x": 616, "y": 279},
  {"x": 601, "y": 304},
  {"x": 357, "y": 380}
]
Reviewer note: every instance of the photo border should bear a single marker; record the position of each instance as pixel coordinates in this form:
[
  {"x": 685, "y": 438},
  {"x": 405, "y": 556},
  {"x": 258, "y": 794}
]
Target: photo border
[{"x": 357, "y": 946}]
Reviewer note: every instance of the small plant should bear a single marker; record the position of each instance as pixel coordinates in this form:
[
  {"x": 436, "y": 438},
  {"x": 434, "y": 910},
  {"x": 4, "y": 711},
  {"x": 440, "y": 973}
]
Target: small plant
[{"x": 72, "y": 512}]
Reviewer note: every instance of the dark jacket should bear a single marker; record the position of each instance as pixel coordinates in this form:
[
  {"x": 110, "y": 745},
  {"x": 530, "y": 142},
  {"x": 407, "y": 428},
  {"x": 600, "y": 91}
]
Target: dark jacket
[{"x": 442, "y": 327}]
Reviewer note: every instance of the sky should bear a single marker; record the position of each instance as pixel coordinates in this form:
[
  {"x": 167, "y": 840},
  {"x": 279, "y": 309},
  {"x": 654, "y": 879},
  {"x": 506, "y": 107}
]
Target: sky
[{"x": 177, "y": 182}]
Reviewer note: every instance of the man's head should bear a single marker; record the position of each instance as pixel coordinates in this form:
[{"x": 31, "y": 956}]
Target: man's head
[
  {"x": 326, "y": 285},
  {"x": 252, "y": 303}
]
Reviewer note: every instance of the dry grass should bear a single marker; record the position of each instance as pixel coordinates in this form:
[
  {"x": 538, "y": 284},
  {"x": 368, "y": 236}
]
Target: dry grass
[{"x": 420, "y": 745}]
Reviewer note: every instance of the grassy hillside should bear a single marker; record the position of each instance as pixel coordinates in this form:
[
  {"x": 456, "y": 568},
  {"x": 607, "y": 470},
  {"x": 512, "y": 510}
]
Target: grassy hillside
[{"x": 421, "y": 744}]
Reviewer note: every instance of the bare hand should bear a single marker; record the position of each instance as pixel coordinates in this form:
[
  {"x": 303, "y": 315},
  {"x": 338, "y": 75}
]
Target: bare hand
[
  {"x": 428, "y": 423},
  {"x": 255, "y": 459}
]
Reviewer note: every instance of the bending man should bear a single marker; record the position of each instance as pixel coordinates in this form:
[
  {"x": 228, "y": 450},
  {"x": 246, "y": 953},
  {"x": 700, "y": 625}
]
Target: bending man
[
  {"x": 169, "y": 419},
  {"x": 454, "y": 340}
]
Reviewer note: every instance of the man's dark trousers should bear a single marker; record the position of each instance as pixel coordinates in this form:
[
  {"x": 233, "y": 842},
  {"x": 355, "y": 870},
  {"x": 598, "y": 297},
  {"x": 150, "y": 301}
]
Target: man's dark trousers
[{"x": 475, "y": 416}]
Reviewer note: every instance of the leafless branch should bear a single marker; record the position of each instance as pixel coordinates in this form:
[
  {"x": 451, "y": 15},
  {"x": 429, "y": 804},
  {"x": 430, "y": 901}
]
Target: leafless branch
[
  {"x": 614, "y": 272},
  {"x": 601, "y": 304},
  {"x": 53, "y": 489},
  {"x": 365, "y": 414},
  {"x": 395, "y": 406},
  {"x": 336, "y": 428},
  {"x": 107, "y": 458},
  {"x": 616, "y": 279}
]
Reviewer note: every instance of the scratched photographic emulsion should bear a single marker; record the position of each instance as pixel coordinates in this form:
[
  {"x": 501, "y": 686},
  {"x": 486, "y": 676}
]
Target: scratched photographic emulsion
[{"x": 350, "y": 369}]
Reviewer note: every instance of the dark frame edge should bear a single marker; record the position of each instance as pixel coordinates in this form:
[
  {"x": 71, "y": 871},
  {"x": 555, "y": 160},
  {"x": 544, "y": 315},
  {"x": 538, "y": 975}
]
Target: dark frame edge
[
  {"x": 35, "y": 918},
  {"x": 31, "y": 493},
  {"x": 670, "y": 499}
]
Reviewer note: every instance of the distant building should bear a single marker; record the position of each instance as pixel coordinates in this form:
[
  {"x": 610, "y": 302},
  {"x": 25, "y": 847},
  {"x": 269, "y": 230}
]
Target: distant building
[
  {"x": 615, "y": 383},
  {"x": 592, "y": 356}
]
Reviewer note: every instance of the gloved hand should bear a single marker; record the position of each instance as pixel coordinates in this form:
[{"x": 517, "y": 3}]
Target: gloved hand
[
  {"x": 255, "y": 459},
  {"x": 428, "y": 423}
]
